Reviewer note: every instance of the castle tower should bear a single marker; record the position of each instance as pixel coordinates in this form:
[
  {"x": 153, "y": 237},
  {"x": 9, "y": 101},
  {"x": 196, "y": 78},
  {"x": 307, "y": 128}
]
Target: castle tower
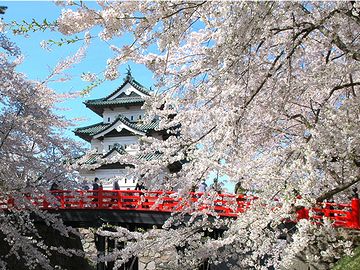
[{"x": 118, "y": 133}]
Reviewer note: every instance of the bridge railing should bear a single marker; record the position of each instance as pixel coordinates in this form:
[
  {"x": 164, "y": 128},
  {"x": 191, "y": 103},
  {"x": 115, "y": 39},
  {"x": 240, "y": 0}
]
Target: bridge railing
[
  {"x": 230, "y": 205},
  {"x": 163, "y": 201},
  {"x": 340, "y": 214}
]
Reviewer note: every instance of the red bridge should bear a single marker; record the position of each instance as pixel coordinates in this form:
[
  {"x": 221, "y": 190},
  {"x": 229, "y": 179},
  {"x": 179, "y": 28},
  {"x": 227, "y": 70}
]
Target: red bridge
[{"x": 154, "y": 207}]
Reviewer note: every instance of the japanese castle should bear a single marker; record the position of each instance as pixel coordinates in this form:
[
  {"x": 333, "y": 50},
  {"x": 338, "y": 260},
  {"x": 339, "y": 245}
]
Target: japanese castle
[{"x": 118, "y": 133}]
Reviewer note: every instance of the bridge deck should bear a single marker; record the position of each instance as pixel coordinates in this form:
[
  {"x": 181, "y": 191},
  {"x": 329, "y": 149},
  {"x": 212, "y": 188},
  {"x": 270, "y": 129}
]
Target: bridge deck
[{"x": 154, "y": 207}]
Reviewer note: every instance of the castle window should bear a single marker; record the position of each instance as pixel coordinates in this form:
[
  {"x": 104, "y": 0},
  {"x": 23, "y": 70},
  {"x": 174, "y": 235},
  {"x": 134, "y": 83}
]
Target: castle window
[
  {"x": 109, "y": 147},
  {"x": 108, "y": 119},
  {"x": 125, "y": 180},
  {"x": 139, "y": 117},
  {"x": 132, "y": 118}
]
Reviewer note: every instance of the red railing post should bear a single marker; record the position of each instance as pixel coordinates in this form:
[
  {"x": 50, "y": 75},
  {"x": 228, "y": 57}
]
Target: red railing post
[
  {"x": 327, "y": 210},
  {"x": 81, "y": 201},
  {"x": 118, "y": 197},
  {"x": 10, "y": 202},
  {"x": 45, "y": 203},
  {"x": 62, "y": 199},
  {"x": 355, "y": 213},
  {"x": 302, "y": 213},
  {"x": 100, "y": 197}
]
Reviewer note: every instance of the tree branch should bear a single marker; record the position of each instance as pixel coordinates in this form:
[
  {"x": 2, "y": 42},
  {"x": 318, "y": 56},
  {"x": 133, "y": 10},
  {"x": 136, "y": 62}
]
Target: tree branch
[{"x": 334, "y": 191}]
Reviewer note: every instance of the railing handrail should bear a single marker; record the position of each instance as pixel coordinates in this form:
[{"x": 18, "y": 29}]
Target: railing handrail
[{"x": 227, "y": 205}]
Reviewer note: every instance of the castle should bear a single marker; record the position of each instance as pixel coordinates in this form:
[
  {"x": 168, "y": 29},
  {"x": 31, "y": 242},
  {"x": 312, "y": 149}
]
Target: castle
[{"x": 118, "y": 133}]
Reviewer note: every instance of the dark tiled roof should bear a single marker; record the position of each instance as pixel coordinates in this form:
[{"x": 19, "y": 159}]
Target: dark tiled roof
[
  {"x": 134, "y": 125},
  {"x": 95, "y": 157},
  {"x": 139, "y": 126},
  {"x": 117, "y": 148},
  {"x": 88, "y": 132},
  {"x": 118, "y": 101},
  {"x": 149, "y": 157},
  {"x": 149, "y": 126},
  {"x": 92, "y": 159},
  {"x": 93, "y": 129},
  {"x": 98, "y": 105},
  {"x": 128, "y": 79}
]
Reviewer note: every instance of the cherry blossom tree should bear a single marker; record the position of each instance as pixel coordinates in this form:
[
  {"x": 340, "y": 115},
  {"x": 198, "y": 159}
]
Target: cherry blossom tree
[
  {"x": 265, "y": 92},
  {"x": 34, "y": 154}
]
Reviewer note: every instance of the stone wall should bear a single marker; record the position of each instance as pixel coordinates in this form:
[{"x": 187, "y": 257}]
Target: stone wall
[
  {"x": 88, "y": 243},
  {"x": 51, "y": 238}
]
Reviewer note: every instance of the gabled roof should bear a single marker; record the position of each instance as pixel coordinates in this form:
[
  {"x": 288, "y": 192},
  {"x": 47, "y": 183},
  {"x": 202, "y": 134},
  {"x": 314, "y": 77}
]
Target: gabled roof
[
  {"x": 116, "y": 148},
  {"x": 124, "y": 123},
  {"x": 86, "y": 133},
  {"x": 130, "y": 79},
  {"x": 116, "y": 100},
  {"x": 101, "y": 129},
  {"x": 149, "y": 157},
  {"x": 94, "y": 158}
]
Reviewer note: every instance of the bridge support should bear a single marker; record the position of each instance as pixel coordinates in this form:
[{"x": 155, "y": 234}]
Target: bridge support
[
  {"x": 110, "y": 248},
  {"x": 100, "y": 247},
  {"x": 205, "y": 265},
  {"x": 105, "y": 245}
]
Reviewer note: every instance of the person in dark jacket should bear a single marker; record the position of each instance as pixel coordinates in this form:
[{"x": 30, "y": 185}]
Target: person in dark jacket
[
  {"x": 139, "y": 186},
  {"x": 116, "y": 185},
  {"x": 239, "y": 189},
  {"x": 96, "y": 186},
  {"x": 54, "y": 187}
]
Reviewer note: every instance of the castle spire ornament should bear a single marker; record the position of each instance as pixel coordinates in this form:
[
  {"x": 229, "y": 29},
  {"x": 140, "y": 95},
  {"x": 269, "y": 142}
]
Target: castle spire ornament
[{"x": 128, "y": 73}]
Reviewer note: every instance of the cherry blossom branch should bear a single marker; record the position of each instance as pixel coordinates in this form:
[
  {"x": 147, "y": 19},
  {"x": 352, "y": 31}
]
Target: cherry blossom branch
[{"x": 337, "y": 190}]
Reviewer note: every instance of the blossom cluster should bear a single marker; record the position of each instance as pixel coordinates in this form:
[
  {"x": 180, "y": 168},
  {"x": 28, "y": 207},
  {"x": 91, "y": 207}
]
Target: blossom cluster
[{"x": 266, "y": 93}]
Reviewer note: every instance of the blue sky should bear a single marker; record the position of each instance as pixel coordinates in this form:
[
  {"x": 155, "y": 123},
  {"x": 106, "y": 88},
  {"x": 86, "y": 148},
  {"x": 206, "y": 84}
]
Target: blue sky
[{"x": 38, "y": 61}]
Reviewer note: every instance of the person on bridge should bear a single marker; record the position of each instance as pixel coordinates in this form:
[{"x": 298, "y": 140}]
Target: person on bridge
[
  {"x": 84, "y": 185},
  {"x": 239, "y": 189},
  {"x": 140, "y": 186},
  {"x": 96, "y": 186},
  {"x": 203, "y": 186},
  {"x": 216, "y": 186},
  {"x": 53, "y": 189},
  {"x": 54, "y": 186},
  {"x": 115, "y": 187}
]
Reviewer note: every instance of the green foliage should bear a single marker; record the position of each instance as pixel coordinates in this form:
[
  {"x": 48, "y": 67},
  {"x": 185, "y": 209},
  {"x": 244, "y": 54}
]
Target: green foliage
[
  {"x": 349, "y": 263},
  {"x": 25, "y": 27},
  {"x": 88, "y": 88}
]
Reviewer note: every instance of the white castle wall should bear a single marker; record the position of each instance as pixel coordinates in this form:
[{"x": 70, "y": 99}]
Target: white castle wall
[
  {"x": 105, "y": 176},
  {"x": 125, "y": 141},
  {"x": 96, "y": 144},
  {"x": 130, "y": 143},
  {"x": 134, "y": 113}
]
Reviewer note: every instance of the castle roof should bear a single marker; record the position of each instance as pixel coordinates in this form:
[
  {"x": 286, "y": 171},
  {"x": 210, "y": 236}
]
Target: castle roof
[
  {"x": 101, "y": 129},
  {"x": 124, "y": 95},
  {"x": 94, "y": 158}
]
